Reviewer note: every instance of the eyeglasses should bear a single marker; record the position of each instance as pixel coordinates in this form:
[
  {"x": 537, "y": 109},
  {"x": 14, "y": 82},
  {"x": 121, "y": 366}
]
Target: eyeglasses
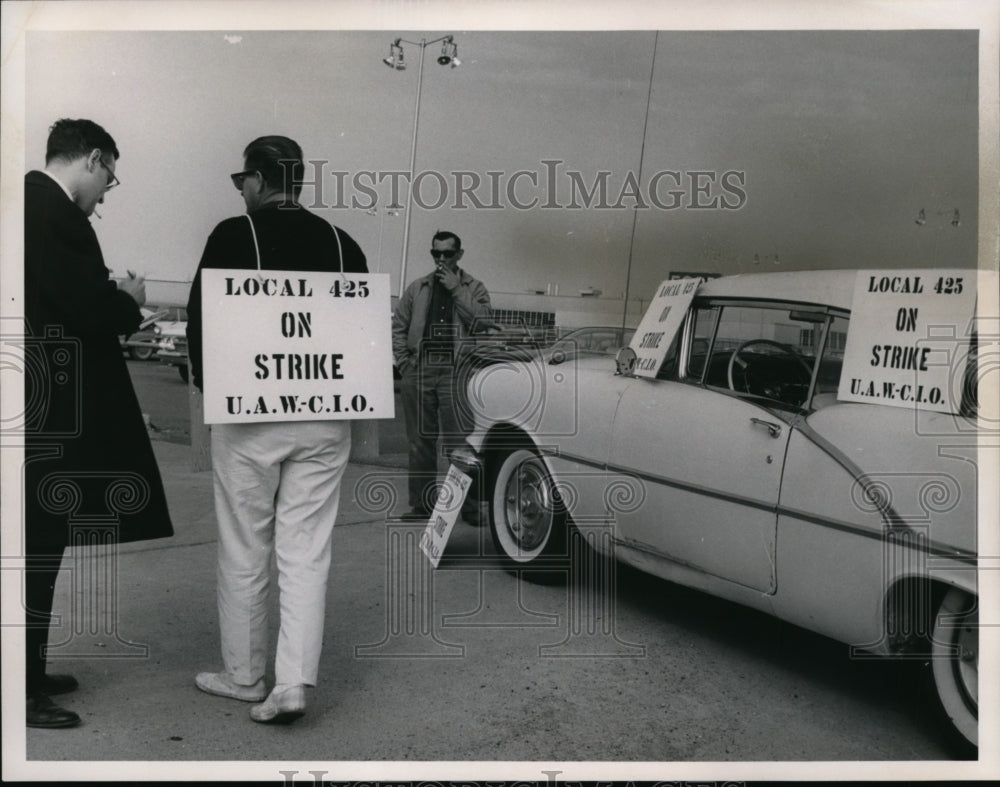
[
  {"x": 113, "y": 179},
  {"x": 446, "y": 253},
  {"x": 238, "y": 177}
]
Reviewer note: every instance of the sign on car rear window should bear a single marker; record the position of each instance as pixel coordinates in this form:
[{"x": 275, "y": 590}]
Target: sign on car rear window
[{"x": 908, "y": 341}]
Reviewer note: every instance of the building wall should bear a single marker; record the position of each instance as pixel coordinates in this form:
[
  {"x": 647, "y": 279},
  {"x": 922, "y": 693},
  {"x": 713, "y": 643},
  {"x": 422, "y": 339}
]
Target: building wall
[
  {"x": 574, "y": 311},
  {"x": 571, "y": 311}
]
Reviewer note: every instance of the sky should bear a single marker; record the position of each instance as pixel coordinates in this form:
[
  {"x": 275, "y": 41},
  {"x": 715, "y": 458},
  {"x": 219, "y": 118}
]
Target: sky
[{"x": 771, "y": 150}]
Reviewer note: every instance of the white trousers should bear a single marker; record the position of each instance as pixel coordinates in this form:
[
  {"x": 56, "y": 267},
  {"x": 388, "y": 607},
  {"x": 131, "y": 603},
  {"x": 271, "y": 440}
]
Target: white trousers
[{"x": 277, "y": 489}]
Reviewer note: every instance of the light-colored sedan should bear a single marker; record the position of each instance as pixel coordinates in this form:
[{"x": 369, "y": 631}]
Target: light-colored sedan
[
  {"x": 141, "y": 344},
  {"x": 591, "y": 340},
  {"x": 171, "y": 340},
  {"x": 740, "y": 468}
]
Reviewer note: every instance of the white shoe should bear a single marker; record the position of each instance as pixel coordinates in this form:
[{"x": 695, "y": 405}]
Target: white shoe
[
  {"x": 222, "y": 685},
  {"x": 285, "y": 703}
]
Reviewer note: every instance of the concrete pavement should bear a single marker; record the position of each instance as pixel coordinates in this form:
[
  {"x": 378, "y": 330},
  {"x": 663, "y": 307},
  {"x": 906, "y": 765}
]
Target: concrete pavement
[
  {"x": 137, "y": 696},
  {"x": 464, "y": 664}
]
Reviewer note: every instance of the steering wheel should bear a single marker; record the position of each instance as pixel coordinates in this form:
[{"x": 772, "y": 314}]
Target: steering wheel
[{"x": 734, "y": 359}]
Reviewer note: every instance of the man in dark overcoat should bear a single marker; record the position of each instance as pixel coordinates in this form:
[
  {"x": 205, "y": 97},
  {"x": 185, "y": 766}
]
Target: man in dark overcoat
[{"x": 88, "y": 458}]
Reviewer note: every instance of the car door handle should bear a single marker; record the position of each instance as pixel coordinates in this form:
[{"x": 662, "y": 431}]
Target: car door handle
[{"x": 773, "y": 429}]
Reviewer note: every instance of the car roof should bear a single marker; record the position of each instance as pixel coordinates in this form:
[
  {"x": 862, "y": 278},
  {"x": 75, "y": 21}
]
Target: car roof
[{"x": 827, "y": 288}]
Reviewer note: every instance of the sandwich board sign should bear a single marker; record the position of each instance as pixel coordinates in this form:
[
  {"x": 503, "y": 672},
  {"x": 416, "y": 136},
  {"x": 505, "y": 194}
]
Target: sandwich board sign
[{"x": 295, "y": 346}]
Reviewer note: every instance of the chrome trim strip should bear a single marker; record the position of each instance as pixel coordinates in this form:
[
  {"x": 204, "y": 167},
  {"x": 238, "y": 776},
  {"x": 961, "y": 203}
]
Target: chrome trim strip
[
  {"x": 664, "y": 481},
  {"x": 933, "y": 548}
]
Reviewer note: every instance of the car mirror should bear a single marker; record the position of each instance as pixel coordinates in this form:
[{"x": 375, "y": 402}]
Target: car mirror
[
  {"x": 807, "y": 316},
  {"x": 562, "y": 355},
  {"x": 625, "y": 361}
]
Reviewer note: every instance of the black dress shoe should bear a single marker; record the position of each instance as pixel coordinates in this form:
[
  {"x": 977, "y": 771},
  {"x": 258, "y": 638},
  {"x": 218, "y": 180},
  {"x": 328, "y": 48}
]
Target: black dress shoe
[
  {"x": 58, "y": 684},
  {"x": 45, "y": 714}
]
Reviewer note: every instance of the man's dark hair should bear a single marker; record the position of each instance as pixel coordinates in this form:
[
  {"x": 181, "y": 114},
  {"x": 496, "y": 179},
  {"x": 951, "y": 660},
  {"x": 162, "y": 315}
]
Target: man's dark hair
[
  {"x": 443, "y": 235},
  {"x": 71, "y": 139},
  {"x": 279, "y": 161}
]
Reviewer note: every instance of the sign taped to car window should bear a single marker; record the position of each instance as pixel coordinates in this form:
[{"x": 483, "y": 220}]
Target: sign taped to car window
[
  {"x": 908, "y": 341},
  {"x": 295, "y": 346},
  {"x": 660, "y": 323}
]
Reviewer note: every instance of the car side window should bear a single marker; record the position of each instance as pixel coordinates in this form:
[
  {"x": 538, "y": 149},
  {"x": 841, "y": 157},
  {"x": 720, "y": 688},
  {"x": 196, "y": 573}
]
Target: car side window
[{"x": 763, "y": 352}]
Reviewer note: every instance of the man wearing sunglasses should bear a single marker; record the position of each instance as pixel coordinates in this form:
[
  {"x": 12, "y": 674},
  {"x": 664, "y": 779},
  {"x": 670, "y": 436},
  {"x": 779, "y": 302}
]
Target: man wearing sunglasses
[
  {"x": 84, "y": 430},
  {"x": 433, "y": 317},
  {"x": 277, "y": 484}
]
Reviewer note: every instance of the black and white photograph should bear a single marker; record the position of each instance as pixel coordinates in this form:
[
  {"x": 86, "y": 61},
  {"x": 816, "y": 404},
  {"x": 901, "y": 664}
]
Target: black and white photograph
[{"x": 413, "y": 391}]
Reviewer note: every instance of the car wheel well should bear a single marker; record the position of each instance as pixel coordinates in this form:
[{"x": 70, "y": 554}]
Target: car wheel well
[
  {"x": 502, "y": 439},
  {"x": 528, "y": 521},
  {"x": 911, "y": 605},
  {"x": 935, "y": 624}
]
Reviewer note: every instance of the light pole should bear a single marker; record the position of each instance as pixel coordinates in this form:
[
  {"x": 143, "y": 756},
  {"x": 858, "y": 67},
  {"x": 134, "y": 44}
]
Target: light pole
[
  {"x": 635, "y": 212},
  {"x": 374, "y": 211},
  {"x": 395, "y": 61}
]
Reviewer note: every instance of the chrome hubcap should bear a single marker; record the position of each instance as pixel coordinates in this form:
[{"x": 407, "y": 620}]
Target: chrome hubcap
[{"x": 528, "y": 505}]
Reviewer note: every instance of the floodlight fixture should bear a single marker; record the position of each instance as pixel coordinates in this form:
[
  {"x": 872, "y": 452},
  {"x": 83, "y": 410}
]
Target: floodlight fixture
[
  {"x": 395, "y": 59},
  {"x": 449, "y": 53}
]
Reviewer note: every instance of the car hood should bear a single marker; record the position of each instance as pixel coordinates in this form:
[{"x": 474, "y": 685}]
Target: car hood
[{"x": 533, "y": 394}]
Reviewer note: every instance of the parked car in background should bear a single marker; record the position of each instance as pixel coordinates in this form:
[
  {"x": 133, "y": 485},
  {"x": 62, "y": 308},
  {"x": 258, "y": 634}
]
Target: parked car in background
[
  {"x": 171, "y": 344},
  {"x": 516, "y": 343},
  {"x": 492, "y": 343},
  {"x": 592, "y": 340},
  {"x": 141, "y": 345},
  {"x": 741, "y": 467}
]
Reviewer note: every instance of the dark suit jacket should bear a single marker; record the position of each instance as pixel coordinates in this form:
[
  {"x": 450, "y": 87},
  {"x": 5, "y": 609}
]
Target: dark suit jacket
[
  {"x": 88, "y": 455},
  {"x": 289, "y": 238}
]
